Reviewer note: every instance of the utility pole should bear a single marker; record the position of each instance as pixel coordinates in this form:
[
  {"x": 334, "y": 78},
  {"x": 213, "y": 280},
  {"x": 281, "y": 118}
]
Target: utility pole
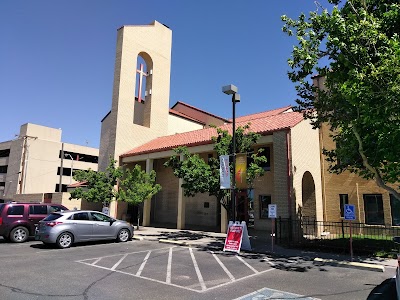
[
  {"x": 61, "y": 168},
  {"x": 24, "y": 162}
]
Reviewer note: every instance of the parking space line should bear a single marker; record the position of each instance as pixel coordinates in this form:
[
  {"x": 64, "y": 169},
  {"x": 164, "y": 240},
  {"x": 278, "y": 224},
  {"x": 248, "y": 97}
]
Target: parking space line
[
  {"x": 232, "y": 278},
  {"x": 168, "y": 281},
  {"x": 196, "y": 267},
  {"x": 96, "y": 261},
  {"x": 250, "y": 267},
  {"x": 118, "y": 262},
  {"x": 169, "y": 266},
  {"x": 143, "y": 263}
]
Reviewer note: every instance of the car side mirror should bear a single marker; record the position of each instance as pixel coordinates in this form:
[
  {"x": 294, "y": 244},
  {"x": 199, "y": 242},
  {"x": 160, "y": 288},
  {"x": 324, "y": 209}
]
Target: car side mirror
[{"x": 112, "y": 221}]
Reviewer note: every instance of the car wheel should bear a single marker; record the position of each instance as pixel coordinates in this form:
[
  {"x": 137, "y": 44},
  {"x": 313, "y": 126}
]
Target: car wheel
[
  {"x": 19, "y": 234},
  {"x": 123, "y": 235},
  {"x": 65, "y": 240}
]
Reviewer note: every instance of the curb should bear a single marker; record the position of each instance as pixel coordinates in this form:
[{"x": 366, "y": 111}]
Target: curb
[
  {"x": 351, "y": 264},
  {"x": 174, "y": 242},
  {"x": 139, "y": 238}
]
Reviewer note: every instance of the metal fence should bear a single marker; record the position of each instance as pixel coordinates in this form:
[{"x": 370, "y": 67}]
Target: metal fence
[{"x": 336, "y": 235}]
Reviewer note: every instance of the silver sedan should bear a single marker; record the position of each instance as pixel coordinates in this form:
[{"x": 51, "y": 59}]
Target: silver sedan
[{"x": 69, "y": 227}]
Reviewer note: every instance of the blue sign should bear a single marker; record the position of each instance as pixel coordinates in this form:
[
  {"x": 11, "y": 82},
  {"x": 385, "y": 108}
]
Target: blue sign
[{"x": 349, "y": 212}]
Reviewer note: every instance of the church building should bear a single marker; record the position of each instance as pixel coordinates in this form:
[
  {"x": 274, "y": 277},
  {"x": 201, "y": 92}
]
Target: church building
[{"x": 143, "y": 129}]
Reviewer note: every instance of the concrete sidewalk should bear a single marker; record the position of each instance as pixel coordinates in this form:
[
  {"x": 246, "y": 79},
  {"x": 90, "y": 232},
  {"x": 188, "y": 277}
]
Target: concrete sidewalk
[{"x": 261, "y": 244}]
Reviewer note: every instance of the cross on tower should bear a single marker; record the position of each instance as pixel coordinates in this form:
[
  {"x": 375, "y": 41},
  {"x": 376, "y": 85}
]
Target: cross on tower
[{"x": 141, "y": 74}]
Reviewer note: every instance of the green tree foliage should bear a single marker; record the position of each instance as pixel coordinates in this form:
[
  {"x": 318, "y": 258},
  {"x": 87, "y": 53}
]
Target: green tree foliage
[
  {"x": 200, "y": 176},
  {"x": 135, "y": 186},
  {"x": 100, "y": 186},
  {"x": 355, "y": 46}
]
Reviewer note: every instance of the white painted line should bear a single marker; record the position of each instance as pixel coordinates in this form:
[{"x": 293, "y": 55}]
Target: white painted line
[
  {"x": 96, "y": 261},
  {"x": 223, "y": 267},
  {"x": 82, "y": 260},
  {"x": 196, "y": 267},
  {"x": 143, "y": 264},
  {"x": 250, "y": 267},
  {"x": 168, "y": 280},
  {"x": 118, "y": 262}
]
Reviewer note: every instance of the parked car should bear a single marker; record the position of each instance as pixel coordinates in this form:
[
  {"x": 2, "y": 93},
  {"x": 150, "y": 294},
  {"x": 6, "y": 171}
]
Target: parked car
[
  {"x": 19, "y": 220},
  {"x": 66, "y": 228}
]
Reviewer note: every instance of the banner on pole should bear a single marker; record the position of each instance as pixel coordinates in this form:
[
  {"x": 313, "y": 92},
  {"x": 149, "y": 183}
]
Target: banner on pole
[
  {"x": 241, "y": 170},
  {"x": 224, "y": 172}
]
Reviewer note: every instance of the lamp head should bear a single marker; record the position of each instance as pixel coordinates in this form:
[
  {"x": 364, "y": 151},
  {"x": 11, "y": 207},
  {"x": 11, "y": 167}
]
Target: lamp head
[{"x": 229, "y": 89}]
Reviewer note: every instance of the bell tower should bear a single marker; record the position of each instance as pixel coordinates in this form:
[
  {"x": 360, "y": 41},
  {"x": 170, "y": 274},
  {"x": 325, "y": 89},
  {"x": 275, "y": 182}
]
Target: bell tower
[{"x": 140, "y": 100}]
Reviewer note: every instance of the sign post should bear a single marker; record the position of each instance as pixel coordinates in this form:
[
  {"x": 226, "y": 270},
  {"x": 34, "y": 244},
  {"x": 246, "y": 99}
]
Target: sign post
[
  {"x": 349, "y": 214},
  {"x": 272, "y": 215}
]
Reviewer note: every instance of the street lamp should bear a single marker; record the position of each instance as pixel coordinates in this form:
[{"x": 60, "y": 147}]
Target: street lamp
[
  {"x": 72, "y": 166},
  {"x": 232, "y": 90}
]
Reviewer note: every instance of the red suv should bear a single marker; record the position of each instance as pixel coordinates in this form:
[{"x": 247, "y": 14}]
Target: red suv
[{"x": 18, "y": 220}]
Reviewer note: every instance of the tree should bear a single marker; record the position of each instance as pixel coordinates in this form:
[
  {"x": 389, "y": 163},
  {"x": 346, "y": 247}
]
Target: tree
[
  {"x": 200, "y": 176},
  {"x": 134, "y": 186},
  {"x": 100, "y": 186},
  {"x": 137, "y": 186},
  {"x": 355, "y": 47}
]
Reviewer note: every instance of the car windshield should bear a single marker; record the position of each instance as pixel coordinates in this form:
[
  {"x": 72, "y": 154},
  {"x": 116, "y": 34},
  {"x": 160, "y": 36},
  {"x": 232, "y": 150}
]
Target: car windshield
[{"x": 52, "y": 217}]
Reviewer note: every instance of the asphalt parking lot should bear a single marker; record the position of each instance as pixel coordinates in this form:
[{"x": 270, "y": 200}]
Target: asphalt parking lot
[{"x": 152, "y": 270}]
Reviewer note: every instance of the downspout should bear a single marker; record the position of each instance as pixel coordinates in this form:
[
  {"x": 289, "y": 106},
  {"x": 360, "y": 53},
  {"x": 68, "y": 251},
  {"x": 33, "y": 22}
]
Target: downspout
[{"x": 289, "y": 189}]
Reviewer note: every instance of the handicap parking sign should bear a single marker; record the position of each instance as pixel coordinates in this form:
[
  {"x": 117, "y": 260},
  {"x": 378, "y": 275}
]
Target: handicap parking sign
[{"x": 349, "y": 212}]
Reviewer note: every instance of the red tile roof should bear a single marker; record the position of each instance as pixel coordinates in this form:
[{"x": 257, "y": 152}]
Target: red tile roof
[
  {"x": 77, "y": 184},
  {"x": 263, "y": 114},
  {"x": 274, "y": 120}
]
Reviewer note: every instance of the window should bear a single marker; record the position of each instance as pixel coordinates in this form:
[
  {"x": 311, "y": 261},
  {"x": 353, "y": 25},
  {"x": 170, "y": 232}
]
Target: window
[
  {"x": 63, "y": 188},
  {"x": 265, "y": 200},
  {"x": 265, "y": 152},
  {"x": 53, "y": 208},
  {"x": 38, "y": 209},
  {"x": 82, "y": 216},
  {"x": 100, "y": 217},
  {"x": 344, "y": 199},
  {"x": 52, "y": 217},
  {"x": 15, "y": 210},
  {"x": 373, "y": 206},
  {"x": 395, "y": 209},
  {"x": 3, "y": 169},
  {"x": 5, "y": 153}
]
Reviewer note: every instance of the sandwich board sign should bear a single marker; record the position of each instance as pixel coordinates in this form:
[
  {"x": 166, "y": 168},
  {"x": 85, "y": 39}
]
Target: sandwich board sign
[{"x": 237, "y": 237}]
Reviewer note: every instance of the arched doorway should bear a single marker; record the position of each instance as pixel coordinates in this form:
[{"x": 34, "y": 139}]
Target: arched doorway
[{"x": 309, "y": 207}]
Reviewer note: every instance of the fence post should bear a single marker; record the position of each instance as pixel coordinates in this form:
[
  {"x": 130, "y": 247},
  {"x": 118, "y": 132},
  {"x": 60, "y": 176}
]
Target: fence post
[
  {"x": 342, "y": 229},
  {"x": 280, "y": 229},
  {"x": 290, "y": 229}
]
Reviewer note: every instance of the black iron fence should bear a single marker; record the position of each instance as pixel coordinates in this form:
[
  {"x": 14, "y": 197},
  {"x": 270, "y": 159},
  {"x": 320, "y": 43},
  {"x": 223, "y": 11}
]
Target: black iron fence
[{"x": 335, "y": 236}]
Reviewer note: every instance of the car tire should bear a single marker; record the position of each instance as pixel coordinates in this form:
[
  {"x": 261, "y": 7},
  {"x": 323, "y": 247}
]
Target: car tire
[
  {"x": 19, "y": 234},
  {"x": 65, "y": 240},
  {"x": 124, "y": 235}
]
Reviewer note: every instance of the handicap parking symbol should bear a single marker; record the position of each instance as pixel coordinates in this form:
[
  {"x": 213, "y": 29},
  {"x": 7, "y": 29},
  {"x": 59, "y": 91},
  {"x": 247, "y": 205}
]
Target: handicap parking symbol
[{"x": 349, "y": 212}]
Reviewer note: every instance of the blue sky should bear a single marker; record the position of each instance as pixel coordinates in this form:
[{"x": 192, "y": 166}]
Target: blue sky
[{"x": 57, "y": 58}]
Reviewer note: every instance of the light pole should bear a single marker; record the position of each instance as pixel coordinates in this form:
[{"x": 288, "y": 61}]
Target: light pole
[
  {"x": 232, "y": 90},
  {"x": 72, "y": 166}
]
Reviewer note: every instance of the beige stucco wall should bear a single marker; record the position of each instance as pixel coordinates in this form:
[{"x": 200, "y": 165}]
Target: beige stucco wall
[
  {"x": 348, "y": 183},
  {"x": 305, "y": 153},
  {"x": 43, "y": 146},
  {"x": 178, "y": 125},
  {"x": 154, "y": 42}
]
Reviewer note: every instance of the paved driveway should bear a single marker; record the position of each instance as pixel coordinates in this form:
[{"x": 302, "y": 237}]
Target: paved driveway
[{"x": 152, "y": 270}]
